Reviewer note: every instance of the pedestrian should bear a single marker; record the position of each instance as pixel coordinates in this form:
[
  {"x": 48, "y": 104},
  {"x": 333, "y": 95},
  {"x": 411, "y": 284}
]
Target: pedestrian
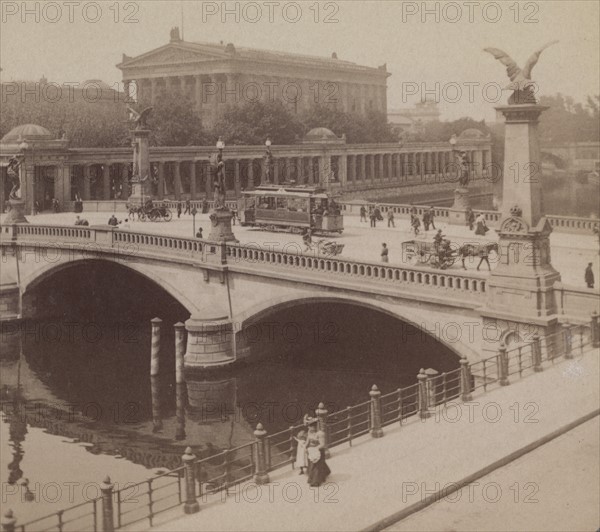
[
  {"x": 234, "y": 215},
  {"x": 179, "y": 209},
  {"x": 431, "y": 217},
  {"x": 415, "y": 223},
  {"x": 437, "y": 240},
  {"x": 36, "y": 207},
  {"x": 199, "y": 232},
  {"x": 307, "y": 240},
  {"x": 482, "y": 227},
  {"x": 363, "y": 214},
  {"x": 470, "y": 217},
  {"x": 426, "y": 220},
  {"x": 483, "y": 254},
  {"x": 390, "y": 218},
  {"x": 377, "y": 213},
  {"x": 77, "y": 220},
  {"x": 589, "y": 276},
  {"x": 188, "y": 207},
  {"x": 318, "y": 470},
  {"x": 301, "y": 451},
  {"x": 113, "y": 221},
  {"x": 384, "y": 253},
  {"x": 413, "y": 209}
]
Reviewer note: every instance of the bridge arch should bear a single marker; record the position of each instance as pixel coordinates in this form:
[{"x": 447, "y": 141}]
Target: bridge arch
[
  {"x": 461, "y": 347},
  {"x": 36, "y": 277}
]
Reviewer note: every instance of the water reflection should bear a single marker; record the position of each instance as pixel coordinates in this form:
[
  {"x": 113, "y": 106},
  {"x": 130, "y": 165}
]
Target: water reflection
[{"x": 87, "y": 403}]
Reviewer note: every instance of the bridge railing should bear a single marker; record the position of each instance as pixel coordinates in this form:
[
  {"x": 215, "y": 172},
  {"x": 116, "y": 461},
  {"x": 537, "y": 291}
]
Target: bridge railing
[
  {"x": 353, "y": 269},
  {"x": 561, "y": 224},
  {"x": 217, "y": 474}
]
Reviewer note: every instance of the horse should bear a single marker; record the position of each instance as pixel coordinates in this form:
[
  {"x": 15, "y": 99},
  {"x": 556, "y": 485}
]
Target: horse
[{"x": 477, "y": 250}]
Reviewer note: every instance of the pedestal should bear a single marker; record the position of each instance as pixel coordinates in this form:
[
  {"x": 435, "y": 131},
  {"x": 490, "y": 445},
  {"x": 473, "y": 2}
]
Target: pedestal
[
  {"x": 141, "y": 182},
  {"x": 458, "y": 212},
  {"x": 221, "y": 226},
  {"x": 209, "y": 342},
  {"x": 16, "y": 215}
]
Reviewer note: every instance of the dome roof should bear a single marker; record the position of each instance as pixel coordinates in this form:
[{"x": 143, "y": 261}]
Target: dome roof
[
  {"x": 472, "y": 133},
  {"x": 26, "y": 132},
  {"x": 321, "y": 133}
]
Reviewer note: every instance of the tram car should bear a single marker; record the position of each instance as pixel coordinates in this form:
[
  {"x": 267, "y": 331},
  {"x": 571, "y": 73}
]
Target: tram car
[{"x": 290, "y": 208}]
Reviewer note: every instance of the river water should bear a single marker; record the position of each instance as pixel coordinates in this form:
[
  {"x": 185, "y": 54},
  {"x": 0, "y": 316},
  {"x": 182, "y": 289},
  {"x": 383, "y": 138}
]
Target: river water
[{"x": 78, "y": 402}]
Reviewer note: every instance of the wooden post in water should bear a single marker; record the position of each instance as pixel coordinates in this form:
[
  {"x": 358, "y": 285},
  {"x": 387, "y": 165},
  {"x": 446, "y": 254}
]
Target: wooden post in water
[
  {"x": 179, "y": 352},
  {"x": 155, "y": 347}
]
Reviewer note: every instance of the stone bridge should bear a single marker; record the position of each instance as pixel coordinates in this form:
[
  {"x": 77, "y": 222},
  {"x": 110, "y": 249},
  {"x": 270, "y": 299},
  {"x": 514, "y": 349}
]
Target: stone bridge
[{"x": 226, "y": 287}]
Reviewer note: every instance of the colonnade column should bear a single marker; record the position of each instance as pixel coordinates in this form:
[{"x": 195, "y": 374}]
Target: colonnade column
[
  {"x": 342, "y": 169},
  {"x": 85, "y": 193},
  {"x": 192, "y": 180},
  {"x": 177, "y": 179},
  {"x": 236, "y": 178},
  {"x": 250, "y": 184},
  {"x": 106, "y": 181},
  {"x": 161, "y": 180}
]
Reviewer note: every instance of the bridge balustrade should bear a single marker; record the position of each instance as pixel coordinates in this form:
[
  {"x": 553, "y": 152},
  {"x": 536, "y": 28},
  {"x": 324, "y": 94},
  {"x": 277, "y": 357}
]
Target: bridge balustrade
[{"x": 354, "y": 269}]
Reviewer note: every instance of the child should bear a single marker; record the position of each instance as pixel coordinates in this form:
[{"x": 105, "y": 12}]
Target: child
[{"x": 301, "y": 451}]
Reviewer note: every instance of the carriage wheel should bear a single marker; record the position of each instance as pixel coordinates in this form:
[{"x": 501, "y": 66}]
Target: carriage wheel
[
  {"x": 168, "y": 216},
  {"x": 413, "y": 259},
  {"x": 153, "y": 216},
  {"x": 142, "y": 216}
]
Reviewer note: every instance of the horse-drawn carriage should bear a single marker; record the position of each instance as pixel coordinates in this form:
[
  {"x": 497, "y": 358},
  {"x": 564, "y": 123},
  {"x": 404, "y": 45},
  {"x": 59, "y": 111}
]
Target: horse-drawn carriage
[
  {"x": 149, "y": 211},
  {"x": 444, "y": 255}
]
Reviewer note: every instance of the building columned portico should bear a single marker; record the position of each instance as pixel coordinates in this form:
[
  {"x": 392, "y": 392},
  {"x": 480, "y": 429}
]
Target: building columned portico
[{"x": 53, "y": 170}]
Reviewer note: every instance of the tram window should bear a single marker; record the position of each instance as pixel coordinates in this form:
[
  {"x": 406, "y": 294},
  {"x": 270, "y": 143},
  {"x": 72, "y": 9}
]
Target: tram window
[
  {"x": 266, "y": 203},
  {"x": 282, "y": 203},
  {"x": 297, "y": 204}
]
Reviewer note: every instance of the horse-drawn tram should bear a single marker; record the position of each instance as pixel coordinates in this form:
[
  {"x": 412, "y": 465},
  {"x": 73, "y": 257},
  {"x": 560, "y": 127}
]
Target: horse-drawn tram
[{"x": 290, "y": 208}]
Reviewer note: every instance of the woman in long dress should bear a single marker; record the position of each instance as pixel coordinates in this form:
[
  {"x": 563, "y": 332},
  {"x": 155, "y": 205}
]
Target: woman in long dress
[
  {"x": 318, "y": 470},
  {"x": 482, "y": 227}
]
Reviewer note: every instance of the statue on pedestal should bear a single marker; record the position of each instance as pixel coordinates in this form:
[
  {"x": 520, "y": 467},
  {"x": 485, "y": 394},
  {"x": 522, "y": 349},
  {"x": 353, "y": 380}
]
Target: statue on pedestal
[
  {"x": 520, "y": 78},
  {"x": 13, "y": 171}
]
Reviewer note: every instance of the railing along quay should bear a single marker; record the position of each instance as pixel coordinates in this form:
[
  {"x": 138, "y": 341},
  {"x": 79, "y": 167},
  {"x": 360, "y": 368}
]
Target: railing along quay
[{"x": 201, "y": 478}]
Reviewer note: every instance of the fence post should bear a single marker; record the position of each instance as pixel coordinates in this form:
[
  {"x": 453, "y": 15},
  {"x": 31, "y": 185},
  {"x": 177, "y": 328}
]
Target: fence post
[
  {"x": 321, "y": 413},
  {"x": 260, "y": 475},
  {"x": 536, "y": 353},
  {"x": 465, "y": 379},
  {"x": 191, "y": 505},
  {"x": 8, "y": 521},
  {"x": 422, "y": 395},
  {"x": 595, "y": 329},
  {"x": 375, "y": 394},
  {"x": 155, "y": 346},
  {"x": 108, "y": 523},
  {"x": 179, "y": 352},
  {"x": 568, "y": 340},
  {"x": 503, "y": 365}
]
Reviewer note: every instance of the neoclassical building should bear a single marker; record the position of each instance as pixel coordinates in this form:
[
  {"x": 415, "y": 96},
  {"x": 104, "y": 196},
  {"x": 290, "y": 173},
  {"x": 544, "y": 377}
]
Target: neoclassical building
[
  {"x": 52, "y": 169},
  {"x": 216, "y": 75}
]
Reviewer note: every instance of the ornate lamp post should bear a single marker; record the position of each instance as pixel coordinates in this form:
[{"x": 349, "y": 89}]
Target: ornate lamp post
[
  {"x": 461, "y": 193},
  {"x": 221, "y": 216},
  {"x": 268, "y": 157}
]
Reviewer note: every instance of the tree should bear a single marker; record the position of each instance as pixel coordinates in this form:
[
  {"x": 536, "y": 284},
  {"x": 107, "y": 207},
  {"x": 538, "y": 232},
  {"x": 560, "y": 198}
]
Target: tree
[
  {"x": 252, "y": 122},
  {"x": 567, "y": 121},
  {"x": 174, "y": 122}
]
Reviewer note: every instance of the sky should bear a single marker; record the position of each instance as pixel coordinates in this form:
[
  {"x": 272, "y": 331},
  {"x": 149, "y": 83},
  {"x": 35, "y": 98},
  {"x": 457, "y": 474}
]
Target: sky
[{"x": 430, "y": 48}]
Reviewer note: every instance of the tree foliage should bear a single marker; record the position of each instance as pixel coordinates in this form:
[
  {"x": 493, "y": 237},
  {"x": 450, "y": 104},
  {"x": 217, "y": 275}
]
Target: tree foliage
[
  {"x": 252, "y": 122},
  {"x": 568, "y": 121},
  {"x": 174, "y": 122}
]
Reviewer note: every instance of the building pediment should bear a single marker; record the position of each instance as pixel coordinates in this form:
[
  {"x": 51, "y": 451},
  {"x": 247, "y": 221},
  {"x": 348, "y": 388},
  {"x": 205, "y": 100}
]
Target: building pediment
[{"x": 172, "y": 54}]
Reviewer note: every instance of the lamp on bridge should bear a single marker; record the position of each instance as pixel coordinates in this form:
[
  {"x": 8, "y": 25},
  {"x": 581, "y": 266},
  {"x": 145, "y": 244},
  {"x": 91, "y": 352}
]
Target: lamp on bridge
[
  {"x": 221, "y": 216},
  {"x": 268, "y": 160}
]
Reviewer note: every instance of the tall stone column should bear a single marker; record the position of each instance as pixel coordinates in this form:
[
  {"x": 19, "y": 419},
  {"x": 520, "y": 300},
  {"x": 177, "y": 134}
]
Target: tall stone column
[
  {"x": 106, "y": 181},
  {"x": 250, "y": 174},
  {"x": 161, "y": 180},
  {"x": 236, "y": 178},
  {"x": 342, "y": 169},
  {"x": 177, "y": 179},
  {"x": 192, "y": 180},
  {"x": 87, "y": 176},
  {"x": 372, "y": 167},
  {"x": 141, "y": 179},
  {"x": 520, "y": 290}
]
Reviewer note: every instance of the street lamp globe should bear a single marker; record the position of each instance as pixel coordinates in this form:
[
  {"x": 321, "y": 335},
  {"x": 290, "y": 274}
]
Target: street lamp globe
[
  {"x": 220, "y": 144},
  {"x": 23, "y": 146},
  {"x": 268, "y": 142},
  {"x": 453, "y": 140}
]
